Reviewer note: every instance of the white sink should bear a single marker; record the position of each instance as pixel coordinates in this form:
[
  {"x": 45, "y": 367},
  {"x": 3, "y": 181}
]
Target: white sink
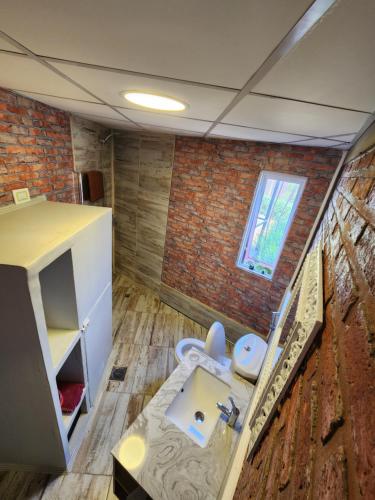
[{"x": 194, "y": 409}]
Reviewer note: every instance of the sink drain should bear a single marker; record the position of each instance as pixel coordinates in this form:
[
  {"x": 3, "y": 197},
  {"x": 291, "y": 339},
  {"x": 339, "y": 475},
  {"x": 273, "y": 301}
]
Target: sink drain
[{"x": 199, "y": 417}]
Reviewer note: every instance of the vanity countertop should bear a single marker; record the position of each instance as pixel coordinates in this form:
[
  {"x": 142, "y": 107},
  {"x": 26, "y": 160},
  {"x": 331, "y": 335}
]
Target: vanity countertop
[{"x": 163, "y": 459}]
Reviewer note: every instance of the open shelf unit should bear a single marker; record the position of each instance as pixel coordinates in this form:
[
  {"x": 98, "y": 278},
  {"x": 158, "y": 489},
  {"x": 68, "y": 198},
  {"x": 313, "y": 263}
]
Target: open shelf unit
[
  {"x": 55, "y": 310},
  {"x": 68, "y": 418},
  {"x": 61, "y": 343}
]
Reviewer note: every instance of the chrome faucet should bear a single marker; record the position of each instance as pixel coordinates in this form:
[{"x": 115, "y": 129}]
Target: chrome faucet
[{"x": 231, "y": 414}]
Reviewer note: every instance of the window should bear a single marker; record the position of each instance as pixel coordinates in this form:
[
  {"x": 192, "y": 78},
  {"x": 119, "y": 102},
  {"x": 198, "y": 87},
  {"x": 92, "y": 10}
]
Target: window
[{"x": 272, "y": 211}]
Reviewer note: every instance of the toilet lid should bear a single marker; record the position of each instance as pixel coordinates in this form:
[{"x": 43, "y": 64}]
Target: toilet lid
[{"x": 248, "y": 355}]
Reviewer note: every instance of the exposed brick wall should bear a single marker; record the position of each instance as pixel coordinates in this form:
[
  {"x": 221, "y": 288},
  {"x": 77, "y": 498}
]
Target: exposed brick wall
[
  {"x": 212, "y": 188},
  {"x": 321, "y": 444},
  {"x": 35, "y": 149}
]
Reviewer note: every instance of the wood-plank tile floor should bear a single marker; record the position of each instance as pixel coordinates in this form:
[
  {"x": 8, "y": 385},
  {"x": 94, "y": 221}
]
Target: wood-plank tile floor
[{"x": 145, "y": 332}]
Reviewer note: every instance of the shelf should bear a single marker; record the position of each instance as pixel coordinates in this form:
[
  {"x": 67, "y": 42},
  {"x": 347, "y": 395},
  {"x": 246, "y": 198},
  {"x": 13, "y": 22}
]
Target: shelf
[
  {"x": 61, "y": 343},
  {"x": 68, "y": 418}
]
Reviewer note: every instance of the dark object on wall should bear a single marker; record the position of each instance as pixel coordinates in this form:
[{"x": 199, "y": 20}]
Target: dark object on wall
[{"x": 92, "y": 185}]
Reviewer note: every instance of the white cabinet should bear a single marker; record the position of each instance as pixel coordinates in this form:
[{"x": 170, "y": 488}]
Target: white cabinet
[
  {"x": 55, "y": 273},
  {"x": 98, "y": 340}
]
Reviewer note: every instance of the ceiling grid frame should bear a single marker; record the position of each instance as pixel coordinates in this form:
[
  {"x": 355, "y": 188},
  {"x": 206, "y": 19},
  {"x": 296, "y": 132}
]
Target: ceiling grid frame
[{"x": 312, "y": 15}]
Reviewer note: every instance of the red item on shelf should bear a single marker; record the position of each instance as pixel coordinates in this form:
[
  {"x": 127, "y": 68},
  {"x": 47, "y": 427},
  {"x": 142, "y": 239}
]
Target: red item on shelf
[{"x": 70, "y": 395}]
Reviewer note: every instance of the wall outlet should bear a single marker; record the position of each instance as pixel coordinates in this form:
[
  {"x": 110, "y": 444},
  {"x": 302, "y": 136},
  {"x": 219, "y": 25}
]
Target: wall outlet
[{"x": 21, "y": 195}]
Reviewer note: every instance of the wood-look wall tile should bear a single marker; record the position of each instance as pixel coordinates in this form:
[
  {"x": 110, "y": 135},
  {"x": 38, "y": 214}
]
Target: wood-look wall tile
[
  {"x": 150, "y": 238},
  {"x": 155, "y": 179},
  {"x": 143, "y": 170}
]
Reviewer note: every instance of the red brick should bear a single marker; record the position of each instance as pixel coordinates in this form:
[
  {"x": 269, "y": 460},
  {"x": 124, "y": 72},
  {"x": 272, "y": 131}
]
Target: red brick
[
  {"x": 333, "y": 478},
  {"x": 360, "y": 376},
  {"x": 365, "y": 254},
  {"x": 24, "y": 163},
  {"x": 342, "y": 395},
  {"x": 213, "y": 183},
  {"x": 346, "y": 292},
  {"x": 331, "y": 405}
]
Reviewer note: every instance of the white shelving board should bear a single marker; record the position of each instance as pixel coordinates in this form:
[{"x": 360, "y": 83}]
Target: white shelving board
[
  {"x": 61, "y": 344},
  {"x": 68, "y": 418}
]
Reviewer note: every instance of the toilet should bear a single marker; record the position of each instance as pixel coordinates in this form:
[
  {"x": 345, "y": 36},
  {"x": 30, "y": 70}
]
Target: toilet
[
  {"x": 184, "y": 346},
  {"x": 248, "y": 355},
  {"x": 213, "y": 347}
]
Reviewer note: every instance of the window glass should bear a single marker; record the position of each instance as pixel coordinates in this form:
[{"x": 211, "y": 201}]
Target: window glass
[{"x": 272, "y": 211}]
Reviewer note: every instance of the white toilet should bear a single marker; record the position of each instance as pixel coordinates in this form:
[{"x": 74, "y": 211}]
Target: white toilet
[
  {"x": 213, "y": 347},
  {"x": 248, "y": 355}
]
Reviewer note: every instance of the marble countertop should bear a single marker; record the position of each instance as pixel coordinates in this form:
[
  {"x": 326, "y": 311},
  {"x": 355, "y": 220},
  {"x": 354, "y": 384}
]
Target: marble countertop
[{"x": 163, "y": 459}]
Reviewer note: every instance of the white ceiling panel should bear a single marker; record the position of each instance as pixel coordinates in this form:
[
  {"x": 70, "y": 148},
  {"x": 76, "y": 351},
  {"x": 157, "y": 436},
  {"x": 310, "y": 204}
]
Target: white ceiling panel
[
  {"x": 320, "y": 143},
  {"x": 294, "y": 117},
  {"x": 19, "y": 72},
  {"x": 344, "y": 146},
  {"x": 345, "y": 137},
  {"x": 215, "y": 41},
  {"x": 167, "y": 121},
  {"x": 334, "y": 64},
  {"x": 74, "y": 106},
  {"x": 168, "y": 130},
  {"x": 252, "y": 134},
  {"x": 108, "y": 122},
  {"x": 4, "y": 45},
  {"x": 203, "y": 103}
]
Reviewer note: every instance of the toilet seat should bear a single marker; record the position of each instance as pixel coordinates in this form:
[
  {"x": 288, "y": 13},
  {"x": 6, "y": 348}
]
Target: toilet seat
[
  {"x": 248, "y": 355},
  {"x": 184, "y": 346}
]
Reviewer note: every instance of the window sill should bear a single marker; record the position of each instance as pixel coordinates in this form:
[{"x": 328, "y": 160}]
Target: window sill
[{"x": 250, "y": 271}]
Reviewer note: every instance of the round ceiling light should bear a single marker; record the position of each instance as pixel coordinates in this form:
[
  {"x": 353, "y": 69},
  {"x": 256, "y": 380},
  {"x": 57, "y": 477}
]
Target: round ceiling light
[{"x": 154, "y": 101}]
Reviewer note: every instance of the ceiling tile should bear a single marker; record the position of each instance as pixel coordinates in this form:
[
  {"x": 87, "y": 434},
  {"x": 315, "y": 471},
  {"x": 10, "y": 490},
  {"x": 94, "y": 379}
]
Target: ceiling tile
[
  {"x": 168, "y": 121},
  {"x": 345, "y": 146},
  {"x": 320, "y": 143},
  {"x": 334, "y": 64},
  {"x": 74, "y": 106},
  {"x": 252, "y": 134},
  {"x": 294, "y": 117},
  {"x": 210, "y": 41},
  {"x": 108, "y": 122},
  {"x": 22, "y": 73},
  {"x": 4, "y": 45},
  {"x": 344, "y": 137},
  {"x": 203, "y": 103},
  {"x": 169, "y": 130}
]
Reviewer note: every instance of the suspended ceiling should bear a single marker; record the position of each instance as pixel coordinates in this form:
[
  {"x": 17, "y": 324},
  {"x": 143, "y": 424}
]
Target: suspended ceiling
[{"x": 80, "y": 56}]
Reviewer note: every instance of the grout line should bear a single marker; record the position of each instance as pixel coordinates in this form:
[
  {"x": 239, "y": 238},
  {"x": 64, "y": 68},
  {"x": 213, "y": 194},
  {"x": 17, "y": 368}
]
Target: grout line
[
  {"x": 179, "y": 81},
  {"x": 175, "y": 80},
  {"x": 199, "y": 134},
  {"x": 129, "y": 72},
  {"x": 331, "y": 106}
]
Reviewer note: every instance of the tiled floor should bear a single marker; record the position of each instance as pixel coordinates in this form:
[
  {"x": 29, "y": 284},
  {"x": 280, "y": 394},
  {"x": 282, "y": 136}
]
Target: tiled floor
[{"x": 145, "y": 334}]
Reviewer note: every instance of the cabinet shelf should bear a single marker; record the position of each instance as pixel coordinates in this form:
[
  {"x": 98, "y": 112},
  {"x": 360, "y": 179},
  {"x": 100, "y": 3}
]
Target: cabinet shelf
[
  {"x": 68, "y": 418},
  {"x": 61, "y": 344}
]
